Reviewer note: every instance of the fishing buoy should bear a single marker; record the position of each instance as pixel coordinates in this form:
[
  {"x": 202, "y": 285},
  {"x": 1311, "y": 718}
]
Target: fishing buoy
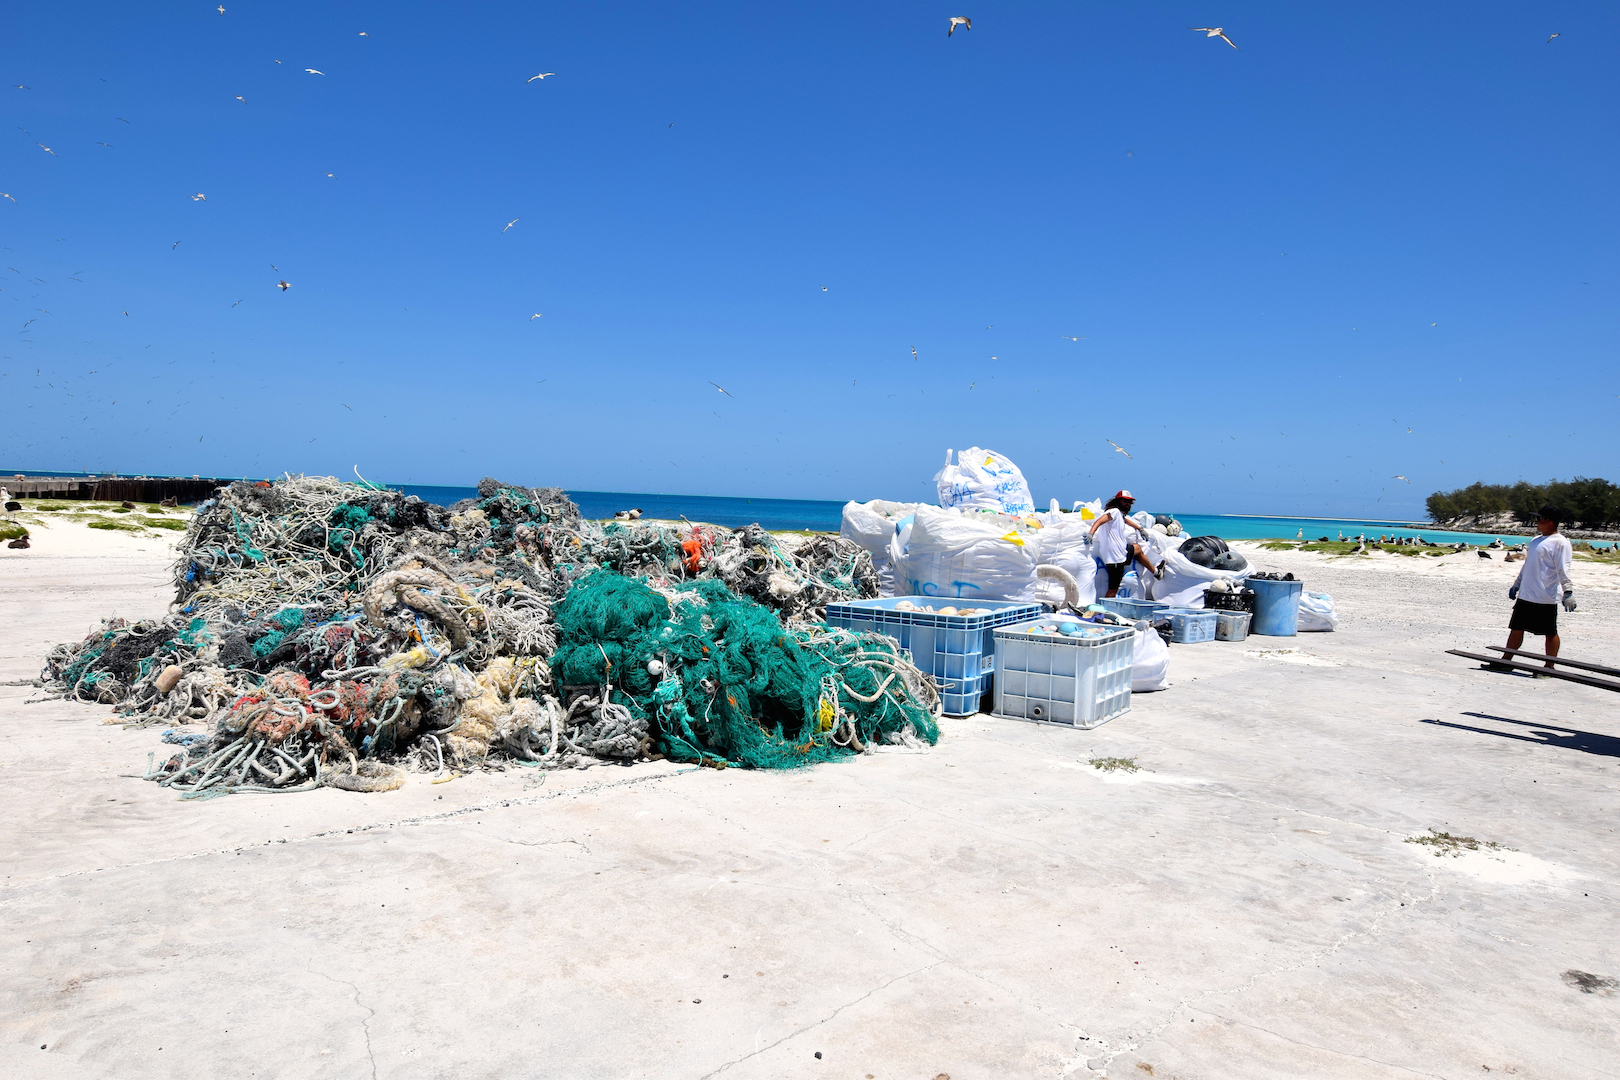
[{"x": 167, "y": 678}]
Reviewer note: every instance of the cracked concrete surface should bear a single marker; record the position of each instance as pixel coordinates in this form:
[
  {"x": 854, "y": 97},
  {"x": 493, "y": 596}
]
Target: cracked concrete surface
[{"x": 996, "y": 908}]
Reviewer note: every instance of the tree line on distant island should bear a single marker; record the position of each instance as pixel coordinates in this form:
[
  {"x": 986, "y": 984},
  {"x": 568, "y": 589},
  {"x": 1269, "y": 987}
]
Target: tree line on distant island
[{"x": 1590, "y": 503}]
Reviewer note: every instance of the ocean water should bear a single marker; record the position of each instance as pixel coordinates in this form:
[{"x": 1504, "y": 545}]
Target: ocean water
[{"x": 821, "y": 515}]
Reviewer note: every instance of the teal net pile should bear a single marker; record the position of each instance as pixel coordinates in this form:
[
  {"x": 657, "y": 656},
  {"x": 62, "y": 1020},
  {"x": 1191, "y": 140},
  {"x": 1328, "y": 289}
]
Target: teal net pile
[{"x": 718, "y": 678}]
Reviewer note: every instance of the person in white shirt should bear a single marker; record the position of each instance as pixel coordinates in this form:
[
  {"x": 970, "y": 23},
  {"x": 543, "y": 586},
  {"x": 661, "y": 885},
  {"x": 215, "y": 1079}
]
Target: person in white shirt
[
  {"x": 1113, "y": 544},
  {"x": 1543, "y": 583}
]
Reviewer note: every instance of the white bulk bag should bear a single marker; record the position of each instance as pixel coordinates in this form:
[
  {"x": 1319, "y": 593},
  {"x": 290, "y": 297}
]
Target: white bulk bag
[
  {"x": 1150, "y": 663},
  {"x": 1316, "y": 613},
  {"x": 958, "y": 556},
  {"x": 983, "y": 480},
  {"x": 1184, "y": 581},
  {"x": 1066, "y": 542},
  {"x": 872, "y": 525}
]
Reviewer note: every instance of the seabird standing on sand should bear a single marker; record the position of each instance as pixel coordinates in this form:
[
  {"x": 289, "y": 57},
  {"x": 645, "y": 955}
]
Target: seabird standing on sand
[{"x": 959, "y": 20}]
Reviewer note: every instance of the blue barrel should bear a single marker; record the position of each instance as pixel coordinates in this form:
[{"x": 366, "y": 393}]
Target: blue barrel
[{"x": 1276, "y": 607}]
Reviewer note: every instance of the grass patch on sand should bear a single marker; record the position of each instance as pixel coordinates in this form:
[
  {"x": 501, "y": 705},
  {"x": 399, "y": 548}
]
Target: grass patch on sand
[
  {"x": 10, "y": 531},
  {"x": 115, "y": 525},
  {"x": 1325, "y": 547},
  {"x": 1445, "y": 844},
  {"x": 163, "y": 523},
  {"x": 1115, "y": 764}
]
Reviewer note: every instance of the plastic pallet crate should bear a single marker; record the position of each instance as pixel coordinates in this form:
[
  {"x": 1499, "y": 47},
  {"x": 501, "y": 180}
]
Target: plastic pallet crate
[
  {"x": 1080, "y": 681},
  {"x": 1231, "y": 625},
  {"x": 959, "y": 651},
  {"x": 1189, "y": 626},
  {"x": 1132, "y": 609}
]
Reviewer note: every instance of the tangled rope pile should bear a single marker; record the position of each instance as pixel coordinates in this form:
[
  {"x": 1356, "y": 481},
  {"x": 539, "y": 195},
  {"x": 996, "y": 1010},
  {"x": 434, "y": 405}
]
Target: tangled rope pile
[{"x": 333, "y": 633}]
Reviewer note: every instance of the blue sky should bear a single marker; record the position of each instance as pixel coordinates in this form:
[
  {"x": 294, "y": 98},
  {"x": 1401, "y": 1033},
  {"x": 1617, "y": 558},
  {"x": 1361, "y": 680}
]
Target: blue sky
[{"x": 1277, "y": 258}]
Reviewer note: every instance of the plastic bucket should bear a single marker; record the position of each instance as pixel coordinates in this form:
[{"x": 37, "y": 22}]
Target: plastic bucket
[{"x": 1276, "y": 607}]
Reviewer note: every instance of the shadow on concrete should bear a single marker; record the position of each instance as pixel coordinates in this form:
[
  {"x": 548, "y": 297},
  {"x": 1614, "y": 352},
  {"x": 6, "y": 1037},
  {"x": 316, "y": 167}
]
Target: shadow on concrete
[{"x": 1587, "y": 742}]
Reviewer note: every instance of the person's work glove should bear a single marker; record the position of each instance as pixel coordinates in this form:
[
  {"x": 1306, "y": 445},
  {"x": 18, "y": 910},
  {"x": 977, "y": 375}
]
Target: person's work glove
[
  {"x": 1569, "y": 599},
  {"x": 1513, "y": 591}
]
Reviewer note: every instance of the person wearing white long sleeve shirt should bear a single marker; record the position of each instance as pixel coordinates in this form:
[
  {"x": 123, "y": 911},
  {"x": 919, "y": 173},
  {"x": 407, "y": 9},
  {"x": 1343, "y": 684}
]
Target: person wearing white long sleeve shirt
[{"x": 1543, "y": 583}]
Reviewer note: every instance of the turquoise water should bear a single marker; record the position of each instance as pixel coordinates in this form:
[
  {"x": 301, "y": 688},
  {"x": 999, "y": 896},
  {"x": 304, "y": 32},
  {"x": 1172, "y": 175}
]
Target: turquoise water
[{"x": 827, "y": 516}]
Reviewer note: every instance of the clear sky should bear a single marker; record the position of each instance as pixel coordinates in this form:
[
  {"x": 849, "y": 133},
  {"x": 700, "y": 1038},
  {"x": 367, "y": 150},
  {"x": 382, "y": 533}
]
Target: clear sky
[{"x": 1277, "y": 259}]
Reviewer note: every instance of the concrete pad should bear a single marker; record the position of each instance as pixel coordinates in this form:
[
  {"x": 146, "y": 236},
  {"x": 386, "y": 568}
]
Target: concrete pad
[{"x": 1245, "y": 905}]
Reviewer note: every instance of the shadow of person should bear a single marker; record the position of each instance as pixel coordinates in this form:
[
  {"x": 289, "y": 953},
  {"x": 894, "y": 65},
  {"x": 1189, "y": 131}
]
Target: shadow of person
[{"x": 1587, "y": 742}]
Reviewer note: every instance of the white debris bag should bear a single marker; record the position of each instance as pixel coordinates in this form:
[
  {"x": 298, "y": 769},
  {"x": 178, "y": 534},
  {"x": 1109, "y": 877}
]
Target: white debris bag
[
  {"x": 1150, "y": 663},
  {"x": 1184, "y": 581},
  {"x": 1066, "y": 543},
  {"x": 967, "y": 557},
  {"x": 983, "y": 480},
  {"x": 1316, "y": 613},
  {"x": 873, "y": 526}
]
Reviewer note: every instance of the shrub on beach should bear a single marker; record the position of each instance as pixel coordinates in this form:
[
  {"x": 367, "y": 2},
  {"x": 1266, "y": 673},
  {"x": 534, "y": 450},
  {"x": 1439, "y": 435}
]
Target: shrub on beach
[{"x": 1590, "y": 503}]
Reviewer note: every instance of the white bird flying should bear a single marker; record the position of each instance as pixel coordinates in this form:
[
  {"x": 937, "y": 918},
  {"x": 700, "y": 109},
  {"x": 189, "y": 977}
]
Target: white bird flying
[
  {"x": 824, "y": 288},
  {"x": 242, "y": 99},
  {"x": 1118, "y": 449},
  {"x": 199, "y": 197},
  {"x": 221, "y": 9},
  {"x": 174, "y": 245},
  {"x": 108, "y": 145},
  {"x": 312, "y": 71},
  {"x": 6, "y": 195},
  {"x": 362, "y": 34},
  {"x": 914, "y": 352},
  {"x": 1400, "y": 478},
  {"x": 45, "y": 148},
  {"x": 1549, "y": 40},
  {"x": 959, "y": 20},
  {"x": 284, "y": 288},
  {"x": 542, "y": 75},
  {"x": 535, "y": 316},
  {"x": 1214, "y": 31},
  {"x": 723, "y": 390},
  {"x": 511, "y": 223}
]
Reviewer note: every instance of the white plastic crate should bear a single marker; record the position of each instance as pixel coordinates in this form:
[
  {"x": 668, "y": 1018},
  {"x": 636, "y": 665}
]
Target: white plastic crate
[
  {"x": 1231, "y": 625},
  {"x": 1189, "y": 625},
  {"x": 1080, "y": 681}
]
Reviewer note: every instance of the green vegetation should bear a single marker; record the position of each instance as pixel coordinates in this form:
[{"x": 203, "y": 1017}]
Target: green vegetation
[
  {"x": 1114, "y": 764},
  {"x": 1590, "y": 503},
  {"x": 163, "y": 523},
  {"x": 120, "y": 526},
  {"x": 10, "y": 531},
  {"x": 1446, "y": 844}
]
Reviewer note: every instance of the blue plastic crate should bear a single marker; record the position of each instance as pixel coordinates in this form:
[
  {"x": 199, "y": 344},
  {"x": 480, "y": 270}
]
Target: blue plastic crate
[
  {"x": 1191, "y": 625},
  {"x": 1132, "y": 609},
  {"x": 959, "y": 651},
  {"x": 1081, "y": 681}
]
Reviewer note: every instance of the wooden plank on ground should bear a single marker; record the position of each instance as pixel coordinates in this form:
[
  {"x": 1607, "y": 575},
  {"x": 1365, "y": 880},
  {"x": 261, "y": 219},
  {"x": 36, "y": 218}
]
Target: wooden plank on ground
[
  {"x": 1539, "y": 669},
  {"x": 1599, "y": 668}
]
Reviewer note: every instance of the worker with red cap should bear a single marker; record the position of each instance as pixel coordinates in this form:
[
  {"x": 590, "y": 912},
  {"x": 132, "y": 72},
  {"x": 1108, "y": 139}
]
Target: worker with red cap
[{"x": 1113, "y": 545}]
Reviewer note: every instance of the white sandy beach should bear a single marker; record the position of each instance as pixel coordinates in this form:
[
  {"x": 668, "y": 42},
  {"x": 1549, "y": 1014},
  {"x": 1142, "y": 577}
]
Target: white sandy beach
[{"x": 1246, "y": 905}]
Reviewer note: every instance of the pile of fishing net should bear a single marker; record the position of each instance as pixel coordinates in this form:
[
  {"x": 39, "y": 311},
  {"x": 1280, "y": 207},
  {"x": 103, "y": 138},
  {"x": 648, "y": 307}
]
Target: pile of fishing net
[{"x": 326, "y": 632}]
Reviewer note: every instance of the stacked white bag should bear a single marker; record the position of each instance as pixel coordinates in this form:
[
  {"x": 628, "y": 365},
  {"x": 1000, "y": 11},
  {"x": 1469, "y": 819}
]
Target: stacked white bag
[
  {"x": 872, "y": 525},
  {"x": 1065, "y": 541},
  {"x": 967, "y": 556},
  {"x": 983, "y": 480}
]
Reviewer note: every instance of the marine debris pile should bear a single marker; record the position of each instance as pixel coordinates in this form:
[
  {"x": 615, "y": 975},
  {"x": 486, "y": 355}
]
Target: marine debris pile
[{"x": 334, "y": 633}]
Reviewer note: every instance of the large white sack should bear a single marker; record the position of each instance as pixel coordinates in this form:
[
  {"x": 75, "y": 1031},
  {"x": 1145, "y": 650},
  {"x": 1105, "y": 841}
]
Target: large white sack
[
  {"x": 1316, "y": 613},
  {"x": 983, "y": 480},
  {"x": 1066, "y": 542},
  {"x": 873, "y": 526},
  {"x": 1184, "y": 581},
  {"x": 1150, "y": 663},
  {"x": 952, "y": 554}
]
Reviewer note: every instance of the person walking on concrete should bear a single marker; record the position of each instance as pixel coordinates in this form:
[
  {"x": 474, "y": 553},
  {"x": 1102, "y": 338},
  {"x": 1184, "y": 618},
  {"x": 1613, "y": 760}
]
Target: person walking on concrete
[
  {"x": 1113, "y": 545},
  {"x": 1543, "y": 583}
]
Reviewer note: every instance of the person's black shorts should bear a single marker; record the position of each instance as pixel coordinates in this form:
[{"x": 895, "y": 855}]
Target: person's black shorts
[
  {"x": 1116, "y": 573},
  {"x": 1538, "y": 619}
]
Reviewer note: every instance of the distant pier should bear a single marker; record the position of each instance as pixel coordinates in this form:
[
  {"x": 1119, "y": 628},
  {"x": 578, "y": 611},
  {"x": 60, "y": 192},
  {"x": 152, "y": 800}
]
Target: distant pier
[{"x": 148, "y": 489}]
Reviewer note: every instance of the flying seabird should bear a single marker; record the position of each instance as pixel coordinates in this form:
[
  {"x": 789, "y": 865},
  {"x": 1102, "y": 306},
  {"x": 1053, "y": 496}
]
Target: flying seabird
[
  {"x": 362, "y": 34},
  {"x": 242, "y": 99},
  {"x": 914, "y": 352},
  {"x": 108, "y": 145},
  {"x": 284, "y": 286},
  {"x": 959, "y": 20},
  {"x": 45, "y": 148},
  {"x": 1118, "y": 448},
  {"x": 199, "y": 197},
  {"x": 535, "y": 316},
  {"x": 723, "y": 390},
  {"x": 1214, "y": 31},
  {"x": 312, "y": 71},
  {"x": 1549, "y": 40},
  {"x": 542, "y": 75},
  {"x": 824, "y": 288},
  {"x": 233, "y": 305},
  {"x": 1400, "y": 478},
  {"x": 6, "y": 195},
  {"x": 174, "y": 245},
  {"x": 222, "y": 9},
  {"x": 511, "y": 223}
]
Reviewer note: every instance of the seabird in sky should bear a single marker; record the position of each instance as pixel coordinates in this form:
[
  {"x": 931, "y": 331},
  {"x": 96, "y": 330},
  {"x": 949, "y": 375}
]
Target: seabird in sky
[
  {"x": 723, "y": 390},
  {"x": 1118, "y": 449},
  {"x": 1214, "y": 31},
  {"x": 542, "y": 75},
  {"x": 959, "y": 20}
]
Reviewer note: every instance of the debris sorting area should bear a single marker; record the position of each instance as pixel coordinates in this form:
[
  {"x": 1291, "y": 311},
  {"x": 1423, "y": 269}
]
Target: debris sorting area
[{"x": 1333, "y": 854}]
